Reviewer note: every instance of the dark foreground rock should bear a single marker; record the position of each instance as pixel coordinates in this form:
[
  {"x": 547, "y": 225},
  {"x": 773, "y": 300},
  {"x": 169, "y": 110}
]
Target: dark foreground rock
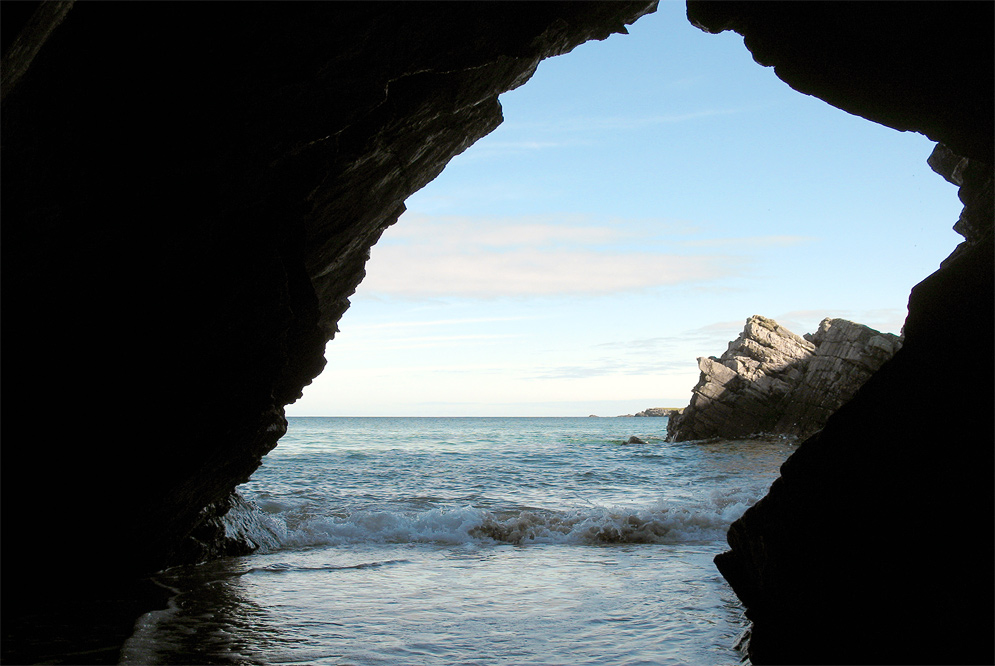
[
  {"x": 845, "y": 551},
  {"x": 189, "y": 194},
  {"x": 231, "y": 527},
  {"x": 771, "y": 381},
  {"x": 875, "y": 546}
]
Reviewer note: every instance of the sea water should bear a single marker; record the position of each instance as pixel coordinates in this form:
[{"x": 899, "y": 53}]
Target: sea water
[{"x": 474, "y": 541}]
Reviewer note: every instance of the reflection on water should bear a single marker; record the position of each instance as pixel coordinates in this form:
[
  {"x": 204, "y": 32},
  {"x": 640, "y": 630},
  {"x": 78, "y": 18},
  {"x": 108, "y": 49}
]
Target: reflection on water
[
  {"x": 475, "y": 541},
  {"x": 430, "y": 605}
]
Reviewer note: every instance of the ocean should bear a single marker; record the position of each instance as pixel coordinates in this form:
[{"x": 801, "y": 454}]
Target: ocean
[{"x": 438, "y": 541}]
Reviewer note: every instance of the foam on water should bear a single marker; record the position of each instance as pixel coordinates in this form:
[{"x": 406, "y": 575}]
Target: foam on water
[
  {"x": 284, "y": 567},
  {"x": 472, "y": 541},
  {"x": 288, "y": 527}
]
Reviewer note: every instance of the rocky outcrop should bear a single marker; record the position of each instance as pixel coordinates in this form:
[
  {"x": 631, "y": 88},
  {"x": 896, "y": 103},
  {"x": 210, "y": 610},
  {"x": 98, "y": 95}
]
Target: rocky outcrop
[
  {"x": 773, "y": 382},
  {"x": 654, "y": 412},
  {"x": 973, "y": 179},
  {"x": 651, "y": 412},
  {"x": 234, "y": 526}
]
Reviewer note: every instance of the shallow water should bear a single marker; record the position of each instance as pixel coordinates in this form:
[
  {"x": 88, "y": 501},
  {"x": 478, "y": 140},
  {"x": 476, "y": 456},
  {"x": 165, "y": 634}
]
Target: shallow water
[{"x": 474, "y": 541}]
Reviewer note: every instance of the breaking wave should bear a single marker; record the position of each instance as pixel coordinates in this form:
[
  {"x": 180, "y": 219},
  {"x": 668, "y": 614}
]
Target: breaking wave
[{"x": 592, "y": 525}]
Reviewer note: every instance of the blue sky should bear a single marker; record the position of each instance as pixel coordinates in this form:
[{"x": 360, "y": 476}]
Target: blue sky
[{"x": 643, "y": 197}]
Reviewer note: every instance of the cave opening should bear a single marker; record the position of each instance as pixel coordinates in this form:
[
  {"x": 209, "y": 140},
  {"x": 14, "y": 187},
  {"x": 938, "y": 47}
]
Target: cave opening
[
  {"x": 601, "y": 237},
  {"x": 643, "y": 197},
  {"x": 204, "y": 266}
]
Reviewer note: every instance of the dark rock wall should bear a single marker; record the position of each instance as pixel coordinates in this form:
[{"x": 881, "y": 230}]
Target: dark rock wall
[
  {"x": 876, "y": 544},
  {"x": 771, "y": 381},
  {"x": 974, "y": 182},
  {"x": 189, "y": 194},
  {"x": 190, "y": 191},
  {"x": 914, "y": 66}
]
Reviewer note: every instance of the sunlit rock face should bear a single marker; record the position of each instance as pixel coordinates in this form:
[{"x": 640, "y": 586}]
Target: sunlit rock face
[
  {"x": 190, "y": 191},
  {"x": 875, "y": 545},
  {"x": 771, "y": 381}
]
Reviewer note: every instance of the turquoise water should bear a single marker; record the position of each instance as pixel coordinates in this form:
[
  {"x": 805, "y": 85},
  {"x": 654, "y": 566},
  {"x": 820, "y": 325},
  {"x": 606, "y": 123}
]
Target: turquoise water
[{"x": 474, "y": 541}]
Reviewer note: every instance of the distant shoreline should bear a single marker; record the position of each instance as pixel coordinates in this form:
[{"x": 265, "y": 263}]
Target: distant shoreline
[{"x": 652, "y": 412}]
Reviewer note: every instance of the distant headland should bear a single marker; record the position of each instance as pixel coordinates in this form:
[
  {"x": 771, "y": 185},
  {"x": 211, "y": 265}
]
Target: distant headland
[{"x": 652, "y": 412}]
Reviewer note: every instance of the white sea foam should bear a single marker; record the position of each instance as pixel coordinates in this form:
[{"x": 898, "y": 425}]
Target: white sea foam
[
  {"x": 660, "y": 523},
  {"x": 389, "y": 541},
  {"x": 246, "y": 522},
  {"x": 284, "y": 567}
]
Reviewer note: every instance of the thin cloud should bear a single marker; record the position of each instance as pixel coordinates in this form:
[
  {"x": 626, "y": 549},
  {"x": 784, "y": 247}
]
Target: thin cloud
[
  {"x": 461, "y": 232},
  {"x": 712, "y": 339},
  {"x": 751, "y": 241},
  {"x": 474, "y": 370},
  {"x": 539, "y": 256},
  {"x": 606, "y": 368},
  {"x": 803, "y": 315},
  {"x": 718, "y": 327},
  {"x": 433, "y": 341},
  {"x": 531, "y": 272},
  {"x": 606, "y": 124},
  {"x": 485, "y": 149},
  {"x": 448, "y": 323},
  {"x": 643, "y": 345},
  {"x": 886, "y": 320},
  {"x": 521, "y": 145}
]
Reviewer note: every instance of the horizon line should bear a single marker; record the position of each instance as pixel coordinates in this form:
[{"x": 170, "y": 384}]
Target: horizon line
[{"x": 480, "y": 416}]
